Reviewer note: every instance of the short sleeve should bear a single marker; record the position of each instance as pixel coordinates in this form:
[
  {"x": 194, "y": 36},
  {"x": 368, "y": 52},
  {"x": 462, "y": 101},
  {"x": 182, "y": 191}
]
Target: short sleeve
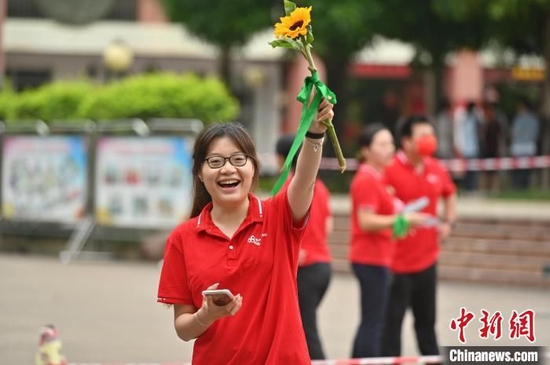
[
  {"x": 364, "y": 195},
  {"x": 281, "y": 208},
  {"x": 448, "y": 186},
  {"x": 173, "y": 286}
]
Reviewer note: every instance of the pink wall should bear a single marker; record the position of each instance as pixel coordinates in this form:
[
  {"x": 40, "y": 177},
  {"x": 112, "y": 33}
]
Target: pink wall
[
  {"x": 3, "y": 10},
  {"x": 150, "y": 11},
  {"x": 466, "y": 81},
  {"x": 297, "y": 72}
]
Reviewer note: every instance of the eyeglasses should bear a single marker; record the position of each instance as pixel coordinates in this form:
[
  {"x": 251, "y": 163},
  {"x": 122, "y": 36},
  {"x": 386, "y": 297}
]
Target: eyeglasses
[{"x": 217, "y": 162}]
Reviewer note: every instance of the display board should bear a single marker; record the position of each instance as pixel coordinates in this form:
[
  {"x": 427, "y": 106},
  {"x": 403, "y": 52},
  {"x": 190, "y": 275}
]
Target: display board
[
  {"x": 143, "y": 182},
  {"x": 44, "y": 178}
]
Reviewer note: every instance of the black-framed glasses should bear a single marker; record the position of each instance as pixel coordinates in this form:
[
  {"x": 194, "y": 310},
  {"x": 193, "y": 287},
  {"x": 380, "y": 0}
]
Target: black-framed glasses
[{"x": 217, "y": 162}]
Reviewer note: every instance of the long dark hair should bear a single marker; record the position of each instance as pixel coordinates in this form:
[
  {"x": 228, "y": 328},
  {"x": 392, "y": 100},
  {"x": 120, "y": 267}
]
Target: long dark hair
[{"x": 240, "y": 137}]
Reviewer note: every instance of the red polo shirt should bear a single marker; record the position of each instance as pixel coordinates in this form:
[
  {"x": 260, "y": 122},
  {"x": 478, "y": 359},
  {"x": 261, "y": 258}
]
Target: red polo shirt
[
  {"x": 260, "y": 262},
  {"x": 368, "y": 191},
  {"x": 314, "y": 242},
  {"x": 420, "y": 249},
  {"x": 315, "y": 238}
]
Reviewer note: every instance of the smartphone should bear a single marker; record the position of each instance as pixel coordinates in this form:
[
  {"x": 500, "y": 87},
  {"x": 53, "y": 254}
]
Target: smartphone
[{"x": 220, "y": 297}]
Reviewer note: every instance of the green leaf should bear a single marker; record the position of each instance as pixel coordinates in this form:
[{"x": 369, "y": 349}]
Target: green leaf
[
  {"x": 286, "y": 43},
  {"x": 289, "y": 7},
  {"x": 309, "y": 37}
]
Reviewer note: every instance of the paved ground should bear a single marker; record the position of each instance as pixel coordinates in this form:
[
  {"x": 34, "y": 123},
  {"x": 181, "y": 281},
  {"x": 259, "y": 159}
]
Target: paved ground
[{"x": 106, "y": 312}]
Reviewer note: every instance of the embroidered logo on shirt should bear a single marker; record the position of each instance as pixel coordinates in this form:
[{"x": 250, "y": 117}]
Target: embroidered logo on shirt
[
  {"x": 256, "y": 241},
  {"x": 432, "y": 179}
]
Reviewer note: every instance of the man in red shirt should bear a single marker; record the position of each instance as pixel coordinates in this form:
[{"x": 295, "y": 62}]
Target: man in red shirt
[{"x": 414, "y": 174}]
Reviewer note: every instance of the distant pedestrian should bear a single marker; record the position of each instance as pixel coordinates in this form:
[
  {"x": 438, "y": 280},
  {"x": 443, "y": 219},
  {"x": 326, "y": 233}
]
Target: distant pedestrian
[
  {"x": 372, "y": 246},
  {"x": 524, "y": 137},
  {"x": 492, "y": 140},
  {"x": 414, "y": 174},
  {"x": 444, "y": 128},
  {"x": 467, "y": 141}
]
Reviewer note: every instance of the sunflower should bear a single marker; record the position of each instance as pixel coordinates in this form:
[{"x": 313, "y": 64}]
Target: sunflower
[{"x": 295, "y": 24}]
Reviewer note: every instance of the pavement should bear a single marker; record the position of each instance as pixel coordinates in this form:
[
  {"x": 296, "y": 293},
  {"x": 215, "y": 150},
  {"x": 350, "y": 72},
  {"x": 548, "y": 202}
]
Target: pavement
[{"x": 106, "y": 311}]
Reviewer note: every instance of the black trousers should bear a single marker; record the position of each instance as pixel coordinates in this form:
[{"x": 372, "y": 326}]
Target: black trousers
[
  {"x": 374, "y": 282},
  {"x": 313, "y": 281},
  {"x": 417, "y": 291}
]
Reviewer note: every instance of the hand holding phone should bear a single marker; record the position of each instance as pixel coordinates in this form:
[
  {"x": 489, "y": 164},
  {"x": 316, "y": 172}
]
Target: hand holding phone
[{"x": 220, "y": 297}]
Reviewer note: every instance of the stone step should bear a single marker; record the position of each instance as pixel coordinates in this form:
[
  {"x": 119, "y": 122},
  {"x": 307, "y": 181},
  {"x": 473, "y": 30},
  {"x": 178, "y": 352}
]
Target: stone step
[
  {"x": 473, "y": 260},
  {"x": 515, "y": 248},
  {"x": 489, "y": 250},
  {"x": 494, "y": 276}
]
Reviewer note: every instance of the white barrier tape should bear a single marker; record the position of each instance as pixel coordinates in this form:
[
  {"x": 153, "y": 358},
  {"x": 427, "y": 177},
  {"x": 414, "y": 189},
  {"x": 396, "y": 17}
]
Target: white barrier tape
[{"x": 461, "y": 165}]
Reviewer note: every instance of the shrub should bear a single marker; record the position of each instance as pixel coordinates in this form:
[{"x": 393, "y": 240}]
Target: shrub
[
  {"x": 58, "y": 100},
  {"x": 161, "y": 95}
]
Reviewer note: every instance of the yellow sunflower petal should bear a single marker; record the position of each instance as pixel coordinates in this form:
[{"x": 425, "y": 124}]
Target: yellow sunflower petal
[{"x": 295, "y": 24}]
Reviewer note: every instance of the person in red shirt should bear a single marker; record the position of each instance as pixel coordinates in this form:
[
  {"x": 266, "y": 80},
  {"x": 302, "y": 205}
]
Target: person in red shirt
[
  {"x": 414, "y": 174},
  {"x": 371, "y": 247},
  {"x": 237, "y": 242},
  {"x": 314, "y": 259}
]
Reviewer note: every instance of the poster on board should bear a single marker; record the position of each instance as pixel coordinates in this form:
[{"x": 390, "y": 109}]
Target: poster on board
[
  {"x": 143, "y": 182},
  {"x": 44, "y": 179}
]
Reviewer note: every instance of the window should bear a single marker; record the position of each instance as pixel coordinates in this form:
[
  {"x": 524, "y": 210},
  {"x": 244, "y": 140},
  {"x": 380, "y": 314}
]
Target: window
[
  {"x": 27, "y": 79},
  {"x": 121, "y": 10},
  {"x": 23, "y": 9}
]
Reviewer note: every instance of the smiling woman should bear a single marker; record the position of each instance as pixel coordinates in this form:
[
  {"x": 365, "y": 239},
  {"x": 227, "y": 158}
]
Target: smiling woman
[{"x": 236, "y": 242}]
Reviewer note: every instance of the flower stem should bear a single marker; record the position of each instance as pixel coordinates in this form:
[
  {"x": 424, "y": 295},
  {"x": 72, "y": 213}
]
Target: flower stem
[
  {"x": 335, "y": 144},
  {"x": 328, "y": 123},
  {"x": 309, "y": 57}
]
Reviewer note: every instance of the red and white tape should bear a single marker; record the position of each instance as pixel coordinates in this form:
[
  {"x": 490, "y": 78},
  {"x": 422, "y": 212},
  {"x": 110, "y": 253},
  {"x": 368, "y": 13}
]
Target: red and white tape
[
  {"x": 366, "y": 361},
  {"x": 460, "y": 165},
  {"x": 382, "y": 360}
]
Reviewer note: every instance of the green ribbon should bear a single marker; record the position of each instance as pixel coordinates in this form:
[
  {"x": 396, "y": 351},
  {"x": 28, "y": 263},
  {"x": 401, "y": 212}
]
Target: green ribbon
[
  {"x": 306, "y": 118},
  {"x": 400, "y": 226}
]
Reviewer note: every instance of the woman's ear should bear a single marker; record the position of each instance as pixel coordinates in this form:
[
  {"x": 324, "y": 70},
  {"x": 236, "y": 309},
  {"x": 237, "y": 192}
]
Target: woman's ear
[{"x": 200, "y": 177}]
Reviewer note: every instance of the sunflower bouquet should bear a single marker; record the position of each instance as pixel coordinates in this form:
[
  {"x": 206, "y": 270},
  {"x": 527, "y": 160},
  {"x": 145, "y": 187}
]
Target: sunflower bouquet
[{"x": 294, "y": 32}]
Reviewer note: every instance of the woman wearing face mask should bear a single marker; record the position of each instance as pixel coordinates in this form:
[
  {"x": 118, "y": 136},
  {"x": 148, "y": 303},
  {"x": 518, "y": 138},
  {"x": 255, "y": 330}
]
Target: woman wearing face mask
[
  {"x": 372, "y": 219},
  {"x": 413, "y": 174},
  {"x": 236, "y": 241}
]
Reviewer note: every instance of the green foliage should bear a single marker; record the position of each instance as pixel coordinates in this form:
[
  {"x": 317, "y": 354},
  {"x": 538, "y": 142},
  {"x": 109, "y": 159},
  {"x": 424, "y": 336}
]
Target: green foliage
[
  {"x": 289, "y": 7},
  {"x": 219, "y": 22},
  {"x": 163, "y": 95},
  {"x": 344, "y": 27},
  {"x": 286, "y": 43},
  {"x": 6, "y": 101},
  {"x": 515, "y": 24},
  {"x": 58, "y": 100}
]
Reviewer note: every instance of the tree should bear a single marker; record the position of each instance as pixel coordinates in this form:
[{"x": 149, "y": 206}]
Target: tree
[
  {"x": 226, "y": 25},
  {"x": 341, "y": 29},
  {"x": 434, "y": 35},
  {"x": 520, "y": 25}
]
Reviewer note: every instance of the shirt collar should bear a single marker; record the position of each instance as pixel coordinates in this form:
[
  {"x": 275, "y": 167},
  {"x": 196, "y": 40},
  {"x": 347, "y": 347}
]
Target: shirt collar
[
  {"x": 366, "y": 168},
  {"x": 255, "y": 214},
  {"x": 402, "y": 157}
]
